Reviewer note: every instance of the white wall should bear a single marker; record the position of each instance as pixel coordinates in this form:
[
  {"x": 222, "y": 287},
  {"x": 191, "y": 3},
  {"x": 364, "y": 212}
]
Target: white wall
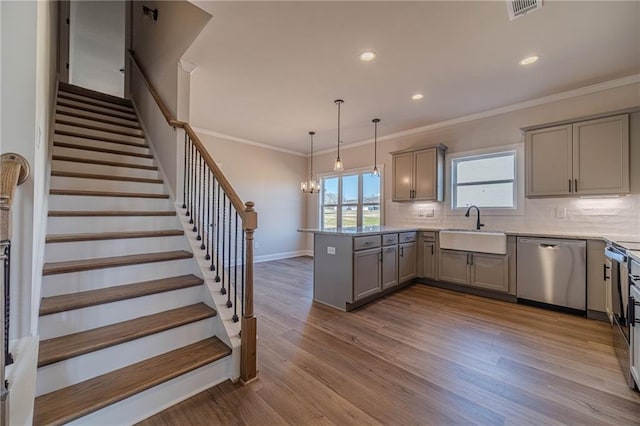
[
  {"x": 28, "y": 81},
  {"x": 611, "y": 216},
  {"x": 271, "y": 179},
  {"x": 96, "y": 42}
]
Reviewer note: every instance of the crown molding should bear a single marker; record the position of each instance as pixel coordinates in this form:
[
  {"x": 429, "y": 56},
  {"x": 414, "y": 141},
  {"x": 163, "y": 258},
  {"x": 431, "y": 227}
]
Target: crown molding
[
  {"x": 247, "y": 142},
  {"x": 586, "y": 90}
]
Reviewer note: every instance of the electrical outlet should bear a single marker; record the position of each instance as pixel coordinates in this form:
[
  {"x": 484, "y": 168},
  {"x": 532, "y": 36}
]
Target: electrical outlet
[
  {"x": 431, "y": 213},
  {"x": 331, "y": 250},
  {"x": 561, "y": 213}
]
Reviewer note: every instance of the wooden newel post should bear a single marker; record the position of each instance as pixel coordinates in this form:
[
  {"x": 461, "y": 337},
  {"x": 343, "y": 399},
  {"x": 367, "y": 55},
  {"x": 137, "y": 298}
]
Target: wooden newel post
[{"x": 248, "y": 363}]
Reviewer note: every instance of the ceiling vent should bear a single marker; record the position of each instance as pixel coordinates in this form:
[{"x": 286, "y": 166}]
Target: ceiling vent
[{"x": 518, "y": 8}]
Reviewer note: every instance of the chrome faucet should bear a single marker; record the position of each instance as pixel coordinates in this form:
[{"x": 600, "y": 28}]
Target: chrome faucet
[{"x": 478, "y": 224}]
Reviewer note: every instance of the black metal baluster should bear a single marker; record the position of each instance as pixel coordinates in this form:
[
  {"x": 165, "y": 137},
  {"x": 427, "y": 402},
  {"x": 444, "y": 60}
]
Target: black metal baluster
[
  {"x": 8, "y": 358},
  {"x": 244, "y": 262},
  {"x": 224, "y": 212},
  {"x": 208, "y": 222},
  {"x": 201, "y": 196},
  {"x": 191, "y": 179},
  {"x": 218, "y": 238},
  {"x": 214, "y": 225},
  {"x": 235, "y": 273},
  {"x": 184, "y": 175},
  {"x": 229, "y": 304},
  {"x": 198, "y": 169}
]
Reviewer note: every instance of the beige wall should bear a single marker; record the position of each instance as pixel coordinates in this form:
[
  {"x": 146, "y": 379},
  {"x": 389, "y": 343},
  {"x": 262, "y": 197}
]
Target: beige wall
[
  {"x": 504, "y": 129},
  {"x": 271, "y": 179},
  {"x": 159, "y": 45}
]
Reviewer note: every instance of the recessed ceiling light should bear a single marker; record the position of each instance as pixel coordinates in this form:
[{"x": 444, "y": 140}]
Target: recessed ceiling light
[
  {"x": 529, "y": 60},
  {"x": 367, "y": 56},
  {"x": 417, "y": 96}
]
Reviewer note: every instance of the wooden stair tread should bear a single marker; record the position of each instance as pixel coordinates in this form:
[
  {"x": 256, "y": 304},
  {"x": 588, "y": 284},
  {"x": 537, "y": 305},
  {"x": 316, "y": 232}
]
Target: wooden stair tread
[
  {"x": 141, "y": 144},
  {"x": 97, "y": 128},
  {"x": 112, "y": 262},
  {"x": 60, "y": 173},
  {"x": 100, "y": 149},
  {"x": 84, "y": 193},
  {"x": 69, "y": 238},
  {"x": 83, "y": 91},
  {"x": 64, "y": 347},
  {"x": 69, "y": 302},
  {"x": 67, "y": 404},
  {"x": 97, "y": 110},
  {"x": 101, "y": 213},
  {"x": 103, "y": 163},
  {"x": 73, "y": 97},
  {"x": 99, "y": 120}
]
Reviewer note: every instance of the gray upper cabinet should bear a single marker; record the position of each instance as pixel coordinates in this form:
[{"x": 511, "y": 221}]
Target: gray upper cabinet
[
  {"x": 418, "y": 174},
  {"x": 584, "y": 158}
]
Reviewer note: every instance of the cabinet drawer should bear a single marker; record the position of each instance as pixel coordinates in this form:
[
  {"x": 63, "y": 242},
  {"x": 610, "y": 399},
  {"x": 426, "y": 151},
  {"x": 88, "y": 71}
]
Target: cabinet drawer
[
  {"x": 361, "y": 243},
  {"x": 407, "y": 237},
  {"x": 428, "y": 236},
  {"x": 389, "y": 239}
]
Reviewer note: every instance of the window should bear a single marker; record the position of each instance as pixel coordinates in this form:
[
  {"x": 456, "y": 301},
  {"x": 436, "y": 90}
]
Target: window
[
  {"x": 349, "y": 200},
  {"x": 487, "y": 180}
]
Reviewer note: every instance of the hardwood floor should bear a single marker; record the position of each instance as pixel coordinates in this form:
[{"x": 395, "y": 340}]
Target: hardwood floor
[{"x": 419, "y": 356}]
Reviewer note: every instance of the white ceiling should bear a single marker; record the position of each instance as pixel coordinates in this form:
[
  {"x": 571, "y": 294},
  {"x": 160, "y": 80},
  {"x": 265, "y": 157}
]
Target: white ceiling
[{"x": 269, "y": 72}]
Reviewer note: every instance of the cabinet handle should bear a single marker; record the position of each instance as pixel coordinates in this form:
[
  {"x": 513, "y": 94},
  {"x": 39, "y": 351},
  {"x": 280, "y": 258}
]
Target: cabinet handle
[
  {"x": 432, "y": 250},
  {"x": 569, "y": 185},
  {"x": 471, "y": 259},
  {"x": 604, "y": 272},
  {"x": 575, "y": 185},
  {"x": 401, "y": 251}
]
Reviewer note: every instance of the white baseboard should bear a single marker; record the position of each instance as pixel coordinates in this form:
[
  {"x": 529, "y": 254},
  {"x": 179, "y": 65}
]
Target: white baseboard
[{"x": 282, "y": 255}]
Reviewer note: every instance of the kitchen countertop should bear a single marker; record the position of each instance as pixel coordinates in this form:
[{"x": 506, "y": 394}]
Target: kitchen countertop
[{"x": 619, "y": 239}]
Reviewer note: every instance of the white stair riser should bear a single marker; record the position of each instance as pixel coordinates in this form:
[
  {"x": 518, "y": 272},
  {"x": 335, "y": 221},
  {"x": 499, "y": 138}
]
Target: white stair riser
[
  {"x": 73, "y": 166},
  {"x": 60, "y": 252},
  {"x": 63, "y": 109},
  {"x": 73, "y": 225},
  {"x": 94, "y": 101},
  {"x": 84, "y": 367},
  {"x": 100, "y": 278},
  {"x": 61, "y": 182},
  {"x": 82, "y": 105},
  {"x": 158, "y": 398},
  {"x": 73, "y": 202},
  {"x": 77, "y": 320},
  {"x": 101, "y": 144},
  {"x": 103, "y": 156},
  {"x": 99, "y": 133},
  {"x": 105, "y": 127}
]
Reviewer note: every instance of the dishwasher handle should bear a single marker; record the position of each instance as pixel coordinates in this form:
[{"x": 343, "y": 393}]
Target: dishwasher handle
[
  {"x": 545, "y": 243},
  {"x": 548, "y": 246}
]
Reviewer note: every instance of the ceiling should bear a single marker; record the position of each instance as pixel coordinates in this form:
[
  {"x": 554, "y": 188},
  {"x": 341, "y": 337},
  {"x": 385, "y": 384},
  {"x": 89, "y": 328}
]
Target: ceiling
[{"x": 268, "y": 72}]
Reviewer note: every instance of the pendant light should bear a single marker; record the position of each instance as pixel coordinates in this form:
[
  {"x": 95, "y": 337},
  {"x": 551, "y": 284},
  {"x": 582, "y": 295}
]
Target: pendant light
[
  {"x": 375, "y": 146},
  {"x": 310, "y": 186},
  {"x": 338, "y": 166}
]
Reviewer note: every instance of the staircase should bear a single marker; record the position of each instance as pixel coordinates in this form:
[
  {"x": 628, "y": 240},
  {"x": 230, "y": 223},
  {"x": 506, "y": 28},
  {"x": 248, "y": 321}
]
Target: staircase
[{"x": 126, "y": 324}]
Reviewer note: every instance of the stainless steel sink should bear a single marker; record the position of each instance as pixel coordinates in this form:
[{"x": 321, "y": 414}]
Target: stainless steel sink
[{"x": 478, "y": 241}]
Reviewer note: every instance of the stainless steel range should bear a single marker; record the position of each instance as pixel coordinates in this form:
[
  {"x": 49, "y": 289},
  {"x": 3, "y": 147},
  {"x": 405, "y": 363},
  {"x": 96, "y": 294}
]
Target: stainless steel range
[{"x": 622, "y": 309}]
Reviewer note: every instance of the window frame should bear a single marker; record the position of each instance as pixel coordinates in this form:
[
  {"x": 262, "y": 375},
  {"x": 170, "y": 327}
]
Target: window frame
[
  {"x": 360, "y": 204},
  {"x": 517, "y": 150}
]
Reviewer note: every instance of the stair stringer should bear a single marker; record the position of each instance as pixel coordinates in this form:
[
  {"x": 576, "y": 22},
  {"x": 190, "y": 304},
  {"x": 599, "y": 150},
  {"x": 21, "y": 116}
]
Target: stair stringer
[{"x": 225, "y": 329}]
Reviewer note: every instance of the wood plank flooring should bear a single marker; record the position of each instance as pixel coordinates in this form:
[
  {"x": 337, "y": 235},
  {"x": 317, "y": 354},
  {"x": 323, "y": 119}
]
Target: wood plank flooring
[{"x": 419, "y": 356}]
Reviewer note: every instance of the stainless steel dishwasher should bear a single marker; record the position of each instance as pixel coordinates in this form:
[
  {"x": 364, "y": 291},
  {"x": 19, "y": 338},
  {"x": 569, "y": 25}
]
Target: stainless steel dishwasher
[{"x": 552, "y": 272}]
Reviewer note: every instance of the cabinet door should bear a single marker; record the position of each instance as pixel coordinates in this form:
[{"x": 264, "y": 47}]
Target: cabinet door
[
  {"x": 429, "y": 260},
  {"x": 634, "y": 303},
  {"x": 607, "y": 289},
  {"x": 407, "y": 262},
  {"x": 389, "y": 266},
  {"x": 490, "y": 271},
  {"x": 549, "y": 161},
  {"x": 601, "y": 156},
  {"x": 596, "y": 276},
  {"x": 425, "y": 176},
  {"x": 366, "y": 273},
  {"x": 453, "y": 266},
  {"x": 402, "y": 176}
]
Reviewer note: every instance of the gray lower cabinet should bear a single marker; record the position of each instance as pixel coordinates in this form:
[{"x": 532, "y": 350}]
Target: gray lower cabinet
[
  {"x": 482, "y": 270},
  {"x": 597, "y": 276},
  {"x": 366, "y": 273},
  {"x": 389, "y": 266},
  {"x": 407, "y": 262},
  {"x": 429, "y": 259}
]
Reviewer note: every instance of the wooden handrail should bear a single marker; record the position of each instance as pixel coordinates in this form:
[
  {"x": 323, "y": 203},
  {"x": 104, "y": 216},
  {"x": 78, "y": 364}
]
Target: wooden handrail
[{"x": 173, "y": 122}]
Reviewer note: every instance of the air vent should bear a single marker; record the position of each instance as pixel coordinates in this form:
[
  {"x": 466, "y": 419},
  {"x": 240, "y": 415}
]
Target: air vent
[{"x": 518, "y": 8}]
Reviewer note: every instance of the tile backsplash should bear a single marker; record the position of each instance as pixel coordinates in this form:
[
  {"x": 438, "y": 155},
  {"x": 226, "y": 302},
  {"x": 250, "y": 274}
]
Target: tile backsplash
[{"x": 617, "y": 215}]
